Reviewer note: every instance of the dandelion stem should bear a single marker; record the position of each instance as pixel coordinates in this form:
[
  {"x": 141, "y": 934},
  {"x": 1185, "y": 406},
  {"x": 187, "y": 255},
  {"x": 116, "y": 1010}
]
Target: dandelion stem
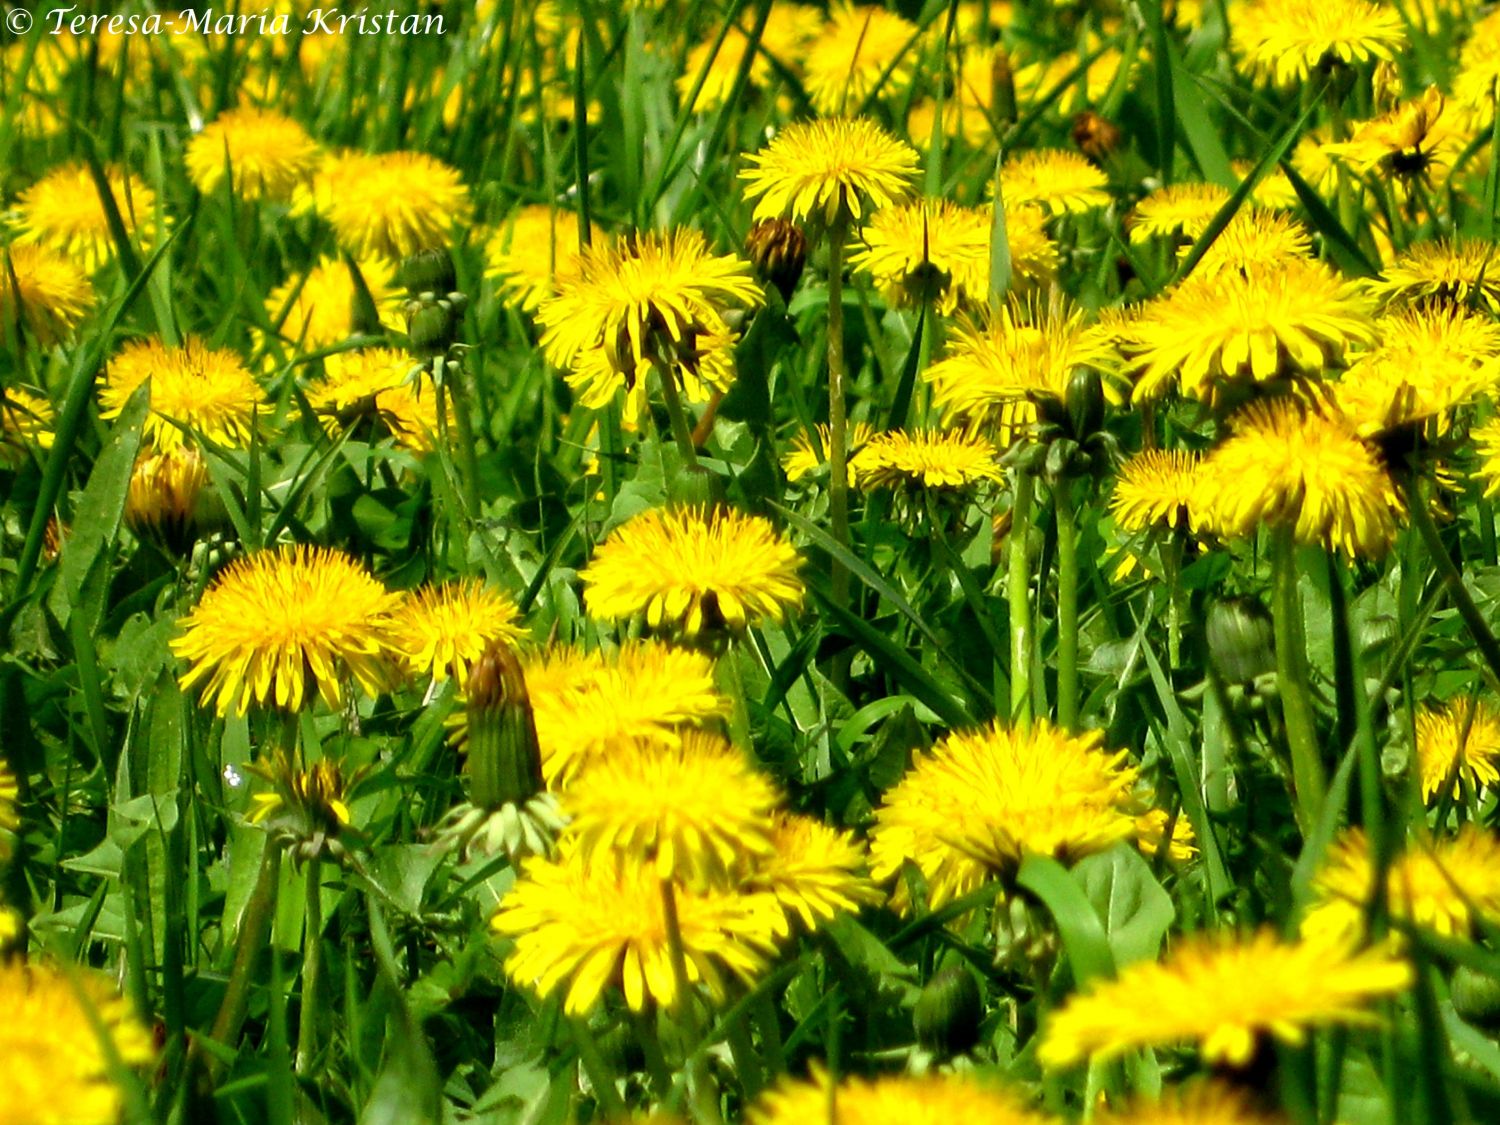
[
  {"x": 1416, "y": 504},
  {"x": 1019, "y": 597},
  {"x": 682, "y": 433},
  {"x": 702, "y": 1096},
  {"x": 1308, "y": 779},
  {"x": 1173, "y": 563},
  {"x": 254, "y": 928},
  {"x": 838, "y": 421},
  {"x": 312, "y": 963},
  {"x": 601, "y": 1076},
  {"x": 468, "y": 454},
  {"x": 656, "y": 1061},
  {"x": 1067, "y": 605}
]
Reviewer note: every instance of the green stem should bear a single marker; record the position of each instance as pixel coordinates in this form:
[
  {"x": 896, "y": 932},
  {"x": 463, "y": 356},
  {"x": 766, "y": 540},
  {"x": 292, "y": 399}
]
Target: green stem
[
  {"x": 838, "y": 421},
  {"x": 1416, "y": 504},
  {"x": 1173, "y": 561},
  {"x": 1067, "y": 605},
  {"x": 734, "y": 685},
  {"x": 702, "y": 1095},
  {"x": 746, "y": 1061},
  {"x": 468, "y": 455},
  {"x": 600, "y": 1074},
  {"x": 312, "y": 964},
  {"x": 1018, "y": 593},
  {"x": 768, "y": 1021},
  {"x": 254, "y": 928},
  {"x": 1308, "y": 779},
  {"x": 656, "y": 1061},
  {"x": 682, "y": 433}
]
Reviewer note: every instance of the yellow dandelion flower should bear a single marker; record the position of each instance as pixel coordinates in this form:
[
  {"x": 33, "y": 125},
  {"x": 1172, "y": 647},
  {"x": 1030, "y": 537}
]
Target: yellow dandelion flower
[
  {"x": 815, "y": 872},
  {"x": 56, "y": 1067},
  {"x": 1458, "y": 271},
  {"x": 162, "y": 500},
  {"x": 1154, "y": 490},
  {"x": 1286, "y": 464},
  {"x": 1414, "y": 139},
  {"x": 642, "y": 302},
  {"x": 585, "y": 702},
  {"x": 581, "y": 928},
  {"x": 1437, "y": 885},
  {"x": 1459, "y": 740},
  {"x": 274, "y": 621},
  {"x": 440, "y": 631},
  {"x": 788, "y": 30},
  {"x": 64, "y": 213},
  {"x": 1235, "y": 326},
  {"x": 863, "y": 50},
  {"x": 208, "y": 390},
  {"x": 1177, "y": 210},
  {"x": 315, "y": 795},
  {"x": 696, "y": 812},
  {"x": 695, "y": 570},
  {"x": 802, "y": 460},
  {"x": 1201, "y": 1103},
  {"x": 979, "y": 801},
  {"x": 1273, "y": 192},
  {"x": 533, "y": 250},
  {"x": 1254, "y": 241},
  {"x": 1151, "y": 836},
  {"x": 968, "y": 108},
  {"x": 933, "y": 460},
  {"x": 1427, "y": 361},
  {"x": 1478, "y": 74},
  {"x": 377, "y": 383},
  {"x": 389, "y": 204},
  {"x": 1285, "y": 41},
  {"x": 826, "y": 168},
  {"x": 933, "y": 248},
  {"x": 932, "y": 1099},
  {"x": 266, "y": 153},
  {"x": 315, "y": 310},
  {"x": 45, "y": 291},
  {"x": 1055, "y": 73},
  {"x": 1221, "y": 992},
  {"x": 26, "y": 422},
  {"x": 1058, "y": 181},
  {"x": 996, "y": 368}
]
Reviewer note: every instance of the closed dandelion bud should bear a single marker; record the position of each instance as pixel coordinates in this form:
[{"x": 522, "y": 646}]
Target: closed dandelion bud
[
  {"x": 505, "y": 763},
  {"x": 1002, "y": 87},
  {"x": 1085, "y": 403},
  {"x": 948, "y": 1013},
  {"x": 1240, "y": 642},
  {"x": 432, "y": 328},
  {"x": 1096, "y": 137},
  {"x": 695, "y": 485},
  {"x": 778, "y": 250},
  {"x": 429, "y": 271},
  {"x": 1476, "y": 997}
]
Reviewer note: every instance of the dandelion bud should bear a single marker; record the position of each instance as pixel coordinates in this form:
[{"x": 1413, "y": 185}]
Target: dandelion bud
[
  {"x": 1085, "y": 403},
  {"x": 948, "y": 1013},
  {"x": 778, "y": 250},
  {"x": 429, "y": 271},
  {"x": 1476, "y": 997},
  {"x": 432, "y": 328},
  {"x": 1096, "y": 137},
  {"x": 505, "y": 763},
  {"x": 163, "y": 500},
  {"x": 1240, "y": 640},
  {"x": 1002, "y": 87}
]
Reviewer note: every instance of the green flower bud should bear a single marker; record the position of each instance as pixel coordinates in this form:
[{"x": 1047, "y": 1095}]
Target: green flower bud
[
  {"x": 1240, "y": 640},
  {"x": 949, "y": 1012},
  {"x": 778, "y": 250},
  {"x": 1085, "y": 403},
  {"x": 505, "y": 762},
  {"x": 429, "y": 271},
  {"x": 1476, "y": 997},
  {"x": 432, "y": 328}
]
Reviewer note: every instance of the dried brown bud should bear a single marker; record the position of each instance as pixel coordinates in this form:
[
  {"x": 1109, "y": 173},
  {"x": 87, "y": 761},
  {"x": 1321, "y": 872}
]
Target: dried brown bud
[
  {"x": 778, "y": 249},
  {"x": 1095, "y": 136}
]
